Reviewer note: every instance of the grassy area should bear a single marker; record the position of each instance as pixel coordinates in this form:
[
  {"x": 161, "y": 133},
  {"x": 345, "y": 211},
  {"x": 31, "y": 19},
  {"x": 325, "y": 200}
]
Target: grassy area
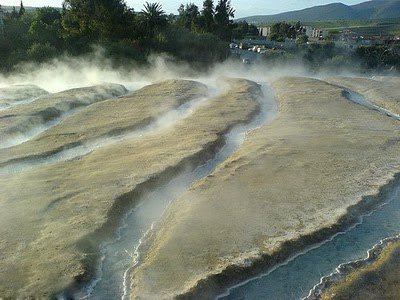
[
  {"x": 389, "y": 26},
  {"x": 366, "y": 27}
]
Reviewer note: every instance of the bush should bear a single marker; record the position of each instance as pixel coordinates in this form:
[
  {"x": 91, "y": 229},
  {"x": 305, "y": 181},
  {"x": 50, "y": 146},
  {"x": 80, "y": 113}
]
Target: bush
[
  {"x": 41, "y": 52},
  {"x": 192, "y": 47},
  {"x": 124, "y": 51}
]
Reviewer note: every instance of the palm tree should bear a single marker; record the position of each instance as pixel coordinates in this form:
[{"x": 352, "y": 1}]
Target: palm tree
[{"x": 153, "y": 17}]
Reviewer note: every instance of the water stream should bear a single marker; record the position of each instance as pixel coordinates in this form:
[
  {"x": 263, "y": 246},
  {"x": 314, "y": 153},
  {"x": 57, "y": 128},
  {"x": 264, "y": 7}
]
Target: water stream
[
  {"x": 360, "y": 100},
  {"x": 36, "y": 130},
  {"x": 121, "y": 255}
]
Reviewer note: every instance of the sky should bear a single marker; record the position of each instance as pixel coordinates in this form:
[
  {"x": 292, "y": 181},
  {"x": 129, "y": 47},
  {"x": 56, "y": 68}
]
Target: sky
[{"x": 243, "y": 7}]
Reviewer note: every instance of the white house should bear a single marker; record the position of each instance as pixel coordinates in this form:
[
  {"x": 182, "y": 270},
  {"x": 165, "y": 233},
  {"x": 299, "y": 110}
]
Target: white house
[{"x": 264, "y": 31}]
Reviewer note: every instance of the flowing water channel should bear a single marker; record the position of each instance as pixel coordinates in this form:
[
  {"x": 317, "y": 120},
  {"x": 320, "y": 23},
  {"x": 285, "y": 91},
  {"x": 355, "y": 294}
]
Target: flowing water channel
[
  {"x": 294, "y": 278},
  {"x": 121, "y": 255},
  {"x": 360, "y": 99}
]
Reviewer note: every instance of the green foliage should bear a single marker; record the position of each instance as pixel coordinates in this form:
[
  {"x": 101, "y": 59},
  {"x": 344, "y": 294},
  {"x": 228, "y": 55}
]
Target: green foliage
[
  {"x": 223, "y": 14},
  {"x": 189, "y": 17},
  {"x": 243, "y": 29},
  {"x": 378, "y": 57},
  {"x": 16, "y": 40},
  {"x": 96, "y": 20},
  {"x": 338, "y": 63},
  {"x": 152, "y": 18},
  {"x": 14, "y": 13},
  {"x": 282, "y": 30},
  {"x": 41, "y": 52},
  {"x": 199, "y": 37},
  {"x": 302, "y": 39},
  {"x": 207, "y": 15},
  {"x": 21, "y": 11},
  {"x": 124, "y": 52},
  {"x": 316, "y": 55},
  {"x": 125, "y": 36},
  {"x": 46, "y": 27},
  {"x": 193, "y": 47}
]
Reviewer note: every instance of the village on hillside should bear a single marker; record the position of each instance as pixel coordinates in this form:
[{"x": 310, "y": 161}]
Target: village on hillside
[
  {"x": 371, "y": 46},
  {"x": 345, "y": 37}
]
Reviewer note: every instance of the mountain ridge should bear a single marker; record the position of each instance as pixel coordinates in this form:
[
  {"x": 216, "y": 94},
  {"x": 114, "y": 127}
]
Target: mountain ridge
[{"x": 374, "y": 9}]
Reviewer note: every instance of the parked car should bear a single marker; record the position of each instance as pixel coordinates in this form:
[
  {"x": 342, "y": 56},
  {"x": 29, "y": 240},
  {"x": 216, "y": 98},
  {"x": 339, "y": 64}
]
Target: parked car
[{"x": 233, "y": 45}]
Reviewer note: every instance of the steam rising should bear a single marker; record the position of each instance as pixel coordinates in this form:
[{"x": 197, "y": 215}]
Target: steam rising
[
  {"x": 70, "y": 72},
  {"x": 67, "y": 72},
  {"x": 162, "y": 123}
]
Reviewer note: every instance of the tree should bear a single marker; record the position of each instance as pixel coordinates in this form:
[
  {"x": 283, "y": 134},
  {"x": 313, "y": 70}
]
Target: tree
[
  {"x": 153, "y": 18},
  {"x": 188, "y": 16},
  {"x": 282, "y": 30},
  {"x": 242, "y": 29},
  {"x": 46, "y": 27},
  {"x": 13, "y": 14},
  {"x": 41, "y": 52},
  {"x": 207, "y": 15},
  {"x": 16, "y": 40},
  {"x": 21, "y": 10},
  {"x": 302, "y": 39},
  {"x": 1, "y": 22},
  {"x": 223, "y": 14},
  {"x": 94, "y": 20}
]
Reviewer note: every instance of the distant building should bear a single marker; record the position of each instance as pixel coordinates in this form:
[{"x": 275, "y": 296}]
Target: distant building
[
  {"x": 308, "y": 31},
  {"x": 314, "y": 33},
  {"x": 319, "y": 34},
  {"x": 264, "y": 31}
]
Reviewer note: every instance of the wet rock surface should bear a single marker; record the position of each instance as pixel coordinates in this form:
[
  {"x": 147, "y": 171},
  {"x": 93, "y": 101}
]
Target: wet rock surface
[
  {"x": 54, "y": 217},
  {"x": 19, "y": 94},
  {"x": 383, "y": 92},
  {"x": 290, "y": 178},
  {"x": 22, "y": 122}
]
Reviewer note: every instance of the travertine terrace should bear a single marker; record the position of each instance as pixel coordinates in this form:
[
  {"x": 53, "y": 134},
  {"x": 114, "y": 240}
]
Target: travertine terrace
[
  {"x": 108, "y": 118},
  {"x": 290, "y": 178},
  {"x": 22, "y": 121},
  {"x": 54, "y": 217},
  {"x": 16, "y": 94}
]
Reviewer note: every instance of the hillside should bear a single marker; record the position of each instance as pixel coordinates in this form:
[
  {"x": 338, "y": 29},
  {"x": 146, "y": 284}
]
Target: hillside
[{"x": 372, "y": 10}]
